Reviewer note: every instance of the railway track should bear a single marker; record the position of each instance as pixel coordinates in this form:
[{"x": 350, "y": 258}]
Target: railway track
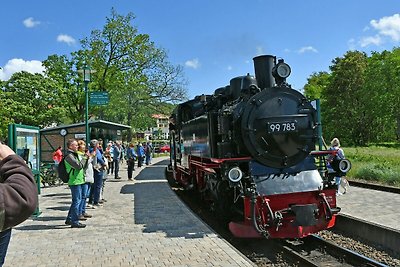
[
  {"x": 276, "y": 253},
  {"x": 316, "y": 251}
]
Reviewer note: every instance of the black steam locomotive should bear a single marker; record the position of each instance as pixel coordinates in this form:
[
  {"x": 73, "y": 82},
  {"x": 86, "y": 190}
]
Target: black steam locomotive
[{"x": 248, "y": 149}]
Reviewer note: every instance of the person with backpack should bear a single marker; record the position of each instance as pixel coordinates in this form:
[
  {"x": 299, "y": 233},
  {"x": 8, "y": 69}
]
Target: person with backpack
[
  {"x": 334, "y": 159},
  {"x": 19, "y": 195},
  {"x": 75, "y": 167}
]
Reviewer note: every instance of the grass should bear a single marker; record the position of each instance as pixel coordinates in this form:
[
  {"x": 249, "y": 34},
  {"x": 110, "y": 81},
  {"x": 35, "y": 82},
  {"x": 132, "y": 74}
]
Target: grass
[{"x": 380, "y": 164}]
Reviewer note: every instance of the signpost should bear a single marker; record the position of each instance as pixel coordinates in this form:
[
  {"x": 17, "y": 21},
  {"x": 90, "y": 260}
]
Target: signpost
[{"x": 98, "y": 98}]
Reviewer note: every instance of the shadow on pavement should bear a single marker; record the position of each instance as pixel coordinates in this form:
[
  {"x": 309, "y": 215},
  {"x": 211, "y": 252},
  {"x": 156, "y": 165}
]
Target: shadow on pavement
[
  {"x": 61, "y": 195},
  {"x": 61, "y": 208},
  {"x": 49, "y": 218},
  {"x": 41, "y": 227},
  {"x": 158, "y": 208}
]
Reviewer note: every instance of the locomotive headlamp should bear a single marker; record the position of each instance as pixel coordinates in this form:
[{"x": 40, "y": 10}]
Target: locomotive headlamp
[
  {"x": 235, "y": 174},
  {"x": 281, "y": 70},
  {"x": 344, "y": 165}
]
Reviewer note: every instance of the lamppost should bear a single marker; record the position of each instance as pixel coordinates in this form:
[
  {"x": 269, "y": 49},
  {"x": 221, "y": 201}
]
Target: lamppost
[{"x": 87, "y": 72}]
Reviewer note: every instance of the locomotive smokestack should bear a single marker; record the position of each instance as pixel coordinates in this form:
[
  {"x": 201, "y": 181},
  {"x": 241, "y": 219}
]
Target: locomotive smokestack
[{"x": 263, "y": 68}]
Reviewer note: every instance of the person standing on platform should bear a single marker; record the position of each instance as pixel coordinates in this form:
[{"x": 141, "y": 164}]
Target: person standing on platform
[
  {"x": 88, "y": 175},
  {"x": 148, "y": 151},
  {"x": 335, "y": 146},
  {"x": 117, "y": 153},
  {"x": 57, "y": 156},
  {"x": 19, "y": 195},
  {"x": 98, "y": 172},
  {"x": 130, "y": 159},
  {"x": 75, "y": 167},
  {"x": 140, "y": 154},
  {"x": 108, "y": 155}
]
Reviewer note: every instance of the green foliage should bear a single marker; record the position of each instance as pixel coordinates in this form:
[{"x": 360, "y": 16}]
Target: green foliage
[
  {"x": 129, "y": 66},
  {"x": 31, "y": 99},
  {"x": 316, "y": 84},
  {"x": 133, "y": 70},
  {"x": 360, "y": 98},
  {"x": 375, "y": 163},
  {"x": 344, "y": 92}
]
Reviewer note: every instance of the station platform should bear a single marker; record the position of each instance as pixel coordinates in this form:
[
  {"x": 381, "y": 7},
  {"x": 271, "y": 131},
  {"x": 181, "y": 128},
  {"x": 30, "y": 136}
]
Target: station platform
[
  {"x": 142, "y": 224},
  {"x": 374, "y": 206}
]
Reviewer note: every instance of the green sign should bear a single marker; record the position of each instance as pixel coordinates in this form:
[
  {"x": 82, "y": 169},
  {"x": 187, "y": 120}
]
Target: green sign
[{"x": 98, "y": 98}]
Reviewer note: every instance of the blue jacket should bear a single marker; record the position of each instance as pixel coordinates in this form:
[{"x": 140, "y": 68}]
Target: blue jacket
[
  {"x": 130, "y": 153},
  {"x": 140, "y": 151}
]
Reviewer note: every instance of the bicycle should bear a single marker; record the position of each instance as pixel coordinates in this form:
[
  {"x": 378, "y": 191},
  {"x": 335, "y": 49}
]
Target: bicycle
[{"x": 49, "y": 175}]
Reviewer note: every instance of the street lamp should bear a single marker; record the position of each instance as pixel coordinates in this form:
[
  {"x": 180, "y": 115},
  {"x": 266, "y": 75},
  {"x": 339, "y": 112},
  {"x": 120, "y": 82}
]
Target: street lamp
[{"x": 87, "y": 72}]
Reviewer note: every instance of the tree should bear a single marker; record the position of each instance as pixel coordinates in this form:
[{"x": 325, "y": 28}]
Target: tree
[
  {"x": 137, "y": 74},
  {"x": 32, "y": 99},
  {"x": 71, "y": 92},
  {"x": 344, "y": 106},
  {"x": 316, "y": 84}
]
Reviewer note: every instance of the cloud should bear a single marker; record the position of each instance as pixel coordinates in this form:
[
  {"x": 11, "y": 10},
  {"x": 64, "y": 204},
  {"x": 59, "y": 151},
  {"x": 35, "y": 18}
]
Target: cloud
[
  {"x": 30, "y": 22},
  {"x": 388, "y": 26},
  {"x": 375, "y": 40},
  {"x": 193, "y": 63},
  {"x": 17, "y": 64},
  {"x": 351, "y": 44},
  {"x": 307, "y": 49},
  {"x": 229, "y": 67},
  {"x": 64, "y": 38}
]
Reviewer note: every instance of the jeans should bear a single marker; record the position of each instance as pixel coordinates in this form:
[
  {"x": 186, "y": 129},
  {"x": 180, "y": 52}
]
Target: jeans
[
  {"x": 148, "y": 159},
  {"x": 96, "y": 187},
  {"x": 4, "y": 241},
  {"x": 85, "y": 194},
  {"x": 116, "y": 168},
  {"x": 73, "y": 213}
]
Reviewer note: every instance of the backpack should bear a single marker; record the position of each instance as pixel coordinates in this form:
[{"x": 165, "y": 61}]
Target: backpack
[{"x": 62, "y": 171}]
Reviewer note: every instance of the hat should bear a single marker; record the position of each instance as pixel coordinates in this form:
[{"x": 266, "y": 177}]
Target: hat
[{"x": 93, "y": 143}]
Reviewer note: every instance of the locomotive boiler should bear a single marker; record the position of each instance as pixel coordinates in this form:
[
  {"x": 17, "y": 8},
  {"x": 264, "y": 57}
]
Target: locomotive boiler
[{"x": 247, "y": 151}]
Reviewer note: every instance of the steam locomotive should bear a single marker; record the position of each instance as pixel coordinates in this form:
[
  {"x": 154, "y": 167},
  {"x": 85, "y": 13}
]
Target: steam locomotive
[{"x": 248, "y": 151}]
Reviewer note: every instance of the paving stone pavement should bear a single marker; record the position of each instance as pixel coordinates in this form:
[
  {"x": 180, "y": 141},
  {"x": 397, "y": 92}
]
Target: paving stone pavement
[
  {"x": 372, "y": 205},
  {"x": 142, "y": 224}
]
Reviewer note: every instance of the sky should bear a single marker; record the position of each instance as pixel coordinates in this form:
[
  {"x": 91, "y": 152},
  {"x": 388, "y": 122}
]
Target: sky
[{"x": 214, "y": 40}]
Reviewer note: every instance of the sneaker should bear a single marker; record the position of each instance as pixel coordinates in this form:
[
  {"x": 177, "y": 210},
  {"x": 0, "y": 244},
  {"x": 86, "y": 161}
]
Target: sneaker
[
  {"x": 98, "y": 205},
  {"x": 78, "y": 225},
  {"x": 104, "y": 200},
  {"x": 118, "y": 177},
  {"x": 68, "y": 222},
  {"x": 87, "y": 215}
]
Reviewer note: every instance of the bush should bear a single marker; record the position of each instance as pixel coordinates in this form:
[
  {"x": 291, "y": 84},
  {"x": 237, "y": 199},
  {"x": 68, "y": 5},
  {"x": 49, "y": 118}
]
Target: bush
[{"x": 375, "y": 163}]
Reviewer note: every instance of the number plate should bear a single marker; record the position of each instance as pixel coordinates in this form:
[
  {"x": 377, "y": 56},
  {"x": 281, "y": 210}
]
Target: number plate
[{"x": 282, "y": 127}]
